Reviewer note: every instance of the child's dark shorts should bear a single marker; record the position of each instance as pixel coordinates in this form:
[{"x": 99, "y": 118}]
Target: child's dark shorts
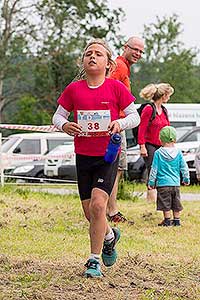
[
  {"x": 168, "y": 198},
  {"x": 94, "y": 172}
]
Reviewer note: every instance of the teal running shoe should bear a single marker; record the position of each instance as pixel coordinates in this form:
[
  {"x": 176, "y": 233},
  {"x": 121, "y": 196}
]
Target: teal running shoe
[
  {"x": 109, "y": 254},
  {"x": 93, "y": 269}
]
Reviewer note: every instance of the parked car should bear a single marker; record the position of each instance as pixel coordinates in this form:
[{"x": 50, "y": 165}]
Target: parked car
[
  {"x": 34, "y": 171},
  {"x": 136, "y": 166},
  {"x": 197, "y": 163},
  {"x": 61, "y": 164},
  {"x": 28, "y": 172},
  {"x": 67, "y": 172},
  {"x": 188, "y": 142},
  {"x": 191, "y": 135},
  {"x": 62, "y": 169},
  {"x": 137, "y": 170},
  {"x": 190, "y": 160},
  {"x": 18, "y": 149}
]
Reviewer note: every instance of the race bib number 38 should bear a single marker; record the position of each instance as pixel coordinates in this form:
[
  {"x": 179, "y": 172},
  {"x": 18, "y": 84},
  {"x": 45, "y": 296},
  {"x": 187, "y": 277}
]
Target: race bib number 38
[{"x": 94, "y": 122}]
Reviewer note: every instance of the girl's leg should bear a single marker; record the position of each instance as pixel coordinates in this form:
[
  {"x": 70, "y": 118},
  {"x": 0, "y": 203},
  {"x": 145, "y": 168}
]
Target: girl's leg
[
  {"x": 98, "y": 222},
  {"x": 94, "y": 209},
  {"x": 95, "y": 212},
  {"x": 85, "y": 206}
]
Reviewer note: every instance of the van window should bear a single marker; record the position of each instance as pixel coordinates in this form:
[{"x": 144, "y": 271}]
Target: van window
[
  {"x": 28, "y": 146},
  {"x": 52, "y": 143},
  {"x": 182, "y": 124},
  {"x": 8, "y": 143}
]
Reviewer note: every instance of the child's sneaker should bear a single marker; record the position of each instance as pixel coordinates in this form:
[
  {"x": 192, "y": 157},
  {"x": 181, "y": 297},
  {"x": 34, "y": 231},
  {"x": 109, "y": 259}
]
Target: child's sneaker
[
  {"x": 165, "y": 222},
  {"x": 109, "y": 254},
  {"x": 93, "y": 269},
  {"x": 176, "y": 222}
]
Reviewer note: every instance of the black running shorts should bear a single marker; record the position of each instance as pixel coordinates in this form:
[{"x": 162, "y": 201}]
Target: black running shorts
[{"x": 94, "y": 172}]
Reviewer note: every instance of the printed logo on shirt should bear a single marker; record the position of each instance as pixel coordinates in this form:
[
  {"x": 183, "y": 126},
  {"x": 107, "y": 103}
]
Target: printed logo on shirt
[
  {"x": 100, "y": 180},
  {"x": 105, "y": 102}
]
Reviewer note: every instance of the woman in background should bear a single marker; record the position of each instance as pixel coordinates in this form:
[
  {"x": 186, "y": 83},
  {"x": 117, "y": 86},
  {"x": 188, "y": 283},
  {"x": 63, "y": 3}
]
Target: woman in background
[{"x": 149, "y": 130}]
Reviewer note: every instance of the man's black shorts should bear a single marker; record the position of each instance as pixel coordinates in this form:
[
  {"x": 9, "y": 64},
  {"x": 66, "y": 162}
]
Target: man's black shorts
[{"x": 94, "y": 172}]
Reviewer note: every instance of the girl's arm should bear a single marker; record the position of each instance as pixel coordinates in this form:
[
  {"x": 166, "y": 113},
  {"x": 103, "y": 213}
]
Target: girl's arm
[{"x": 60, "y": 120}]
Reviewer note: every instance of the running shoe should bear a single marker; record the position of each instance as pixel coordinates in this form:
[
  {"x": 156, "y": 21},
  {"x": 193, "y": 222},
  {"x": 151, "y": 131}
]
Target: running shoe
[
  {"x": 118, "y": 217},
  {"x": 109, "y": 253},
  {"x": 93, "y": 269}
]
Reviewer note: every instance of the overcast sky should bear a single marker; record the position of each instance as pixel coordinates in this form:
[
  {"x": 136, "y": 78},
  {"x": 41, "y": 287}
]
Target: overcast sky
[{"x": 142, "y": 12}]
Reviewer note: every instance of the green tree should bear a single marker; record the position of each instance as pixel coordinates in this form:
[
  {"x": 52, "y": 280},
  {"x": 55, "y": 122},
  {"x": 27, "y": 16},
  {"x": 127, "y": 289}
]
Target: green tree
[
  {"x": 66, "y": 27},
  {"x": 29, "y": 112},
  {"x": 15, "y": 30},
  {"x": 168, "y": 61},
  {"x": 41, "y": 41}
]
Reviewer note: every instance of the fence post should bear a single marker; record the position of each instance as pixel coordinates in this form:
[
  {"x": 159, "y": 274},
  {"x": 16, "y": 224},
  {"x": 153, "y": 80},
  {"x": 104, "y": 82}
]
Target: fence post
[{"x": 1, "y": 162}]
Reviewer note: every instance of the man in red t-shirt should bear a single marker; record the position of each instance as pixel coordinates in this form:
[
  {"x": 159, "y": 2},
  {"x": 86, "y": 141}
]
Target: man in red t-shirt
[{"x": 133, "y": 50}]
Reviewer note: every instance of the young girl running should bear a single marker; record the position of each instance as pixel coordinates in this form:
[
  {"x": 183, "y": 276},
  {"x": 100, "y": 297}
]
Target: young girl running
[{"x": 96, "y": 102}]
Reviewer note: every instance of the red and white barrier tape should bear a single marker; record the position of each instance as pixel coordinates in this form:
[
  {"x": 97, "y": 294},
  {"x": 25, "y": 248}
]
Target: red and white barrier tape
[
  {"x": 50, "y": 128},
  {"x": 6, "y": 159},
  {"x": 46, "y": 128},
  {"x": 36, "y": 157}
]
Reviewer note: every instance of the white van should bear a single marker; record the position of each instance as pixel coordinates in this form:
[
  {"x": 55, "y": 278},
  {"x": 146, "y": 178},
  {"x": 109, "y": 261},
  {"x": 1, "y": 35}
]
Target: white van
[
  {"x": 19, "y": 148},
  {"x": 183, "y": 114}
]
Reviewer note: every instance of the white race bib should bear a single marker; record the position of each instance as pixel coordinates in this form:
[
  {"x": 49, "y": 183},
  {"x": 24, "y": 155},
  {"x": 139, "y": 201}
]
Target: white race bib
[{"x": 94, "y": 122}]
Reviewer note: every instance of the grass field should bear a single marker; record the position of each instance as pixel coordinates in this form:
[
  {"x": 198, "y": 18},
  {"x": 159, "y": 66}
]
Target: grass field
[{"x": 44, "y": 244}]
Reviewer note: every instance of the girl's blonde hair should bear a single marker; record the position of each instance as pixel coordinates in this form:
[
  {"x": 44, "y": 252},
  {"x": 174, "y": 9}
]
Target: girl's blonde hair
[
  {"x": 156, "y": 91},
  {"x": 112, "y": 64}
]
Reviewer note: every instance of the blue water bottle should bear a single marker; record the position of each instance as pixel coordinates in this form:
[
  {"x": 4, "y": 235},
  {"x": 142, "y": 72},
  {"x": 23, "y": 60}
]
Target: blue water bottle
[{"x": 113, "y": 148}]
